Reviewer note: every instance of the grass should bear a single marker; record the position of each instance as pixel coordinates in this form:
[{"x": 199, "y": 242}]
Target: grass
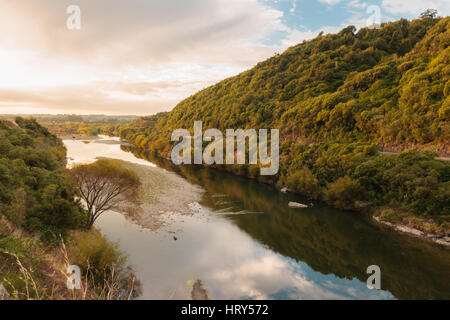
[
  {"x": 32, "y": 271},
  {"x": 439, "y": 226}
]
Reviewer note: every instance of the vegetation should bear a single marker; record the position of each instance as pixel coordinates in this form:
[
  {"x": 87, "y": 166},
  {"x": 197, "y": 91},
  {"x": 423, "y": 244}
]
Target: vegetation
[
  {"x": 38, "y": 213},
  {"x": 337, "y": 100},
  {"x": 387, "y": 86},
  {"x": 30, "y": 270},
  {"x": 320, "y": 234},
  {"x": 35, "y": 192},
  {"x": 104, "y": 266},
  {"x": 79, "y": 125},
  {"x": 104, "y": 185}
]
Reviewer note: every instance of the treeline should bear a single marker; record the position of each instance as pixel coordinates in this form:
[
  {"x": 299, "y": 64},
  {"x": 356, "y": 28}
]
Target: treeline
[
  {"x": 337, "y": 100},
  {"x": 83, "y": 129},
  {"x": 78, "y": 125}
]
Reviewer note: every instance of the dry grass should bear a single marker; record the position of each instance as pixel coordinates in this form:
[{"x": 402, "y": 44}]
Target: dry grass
[{"x": 46, "y": 279}]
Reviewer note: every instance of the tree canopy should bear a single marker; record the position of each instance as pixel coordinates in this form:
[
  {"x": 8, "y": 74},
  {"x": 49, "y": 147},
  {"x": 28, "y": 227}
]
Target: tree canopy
[
  {"x": 35, "y": 192},
  {"x": 104, "y": 185},
  {"x": 387, "y": 86}
]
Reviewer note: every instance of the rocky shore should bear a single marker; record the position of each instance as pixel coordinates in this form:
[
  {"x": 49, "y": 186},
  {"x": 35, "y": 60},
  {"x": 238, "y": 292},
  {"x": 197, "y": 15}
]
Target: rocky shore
[{"x": 442, "y": 240}]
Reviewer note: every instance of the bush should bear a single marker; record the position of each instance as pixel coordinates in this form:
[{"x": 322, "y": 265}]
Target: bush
[
  {"x": 389, "y": 215},
  {"x": 93, "y": 252},
  {"x": 103, "y": 264},
  {"x": 344, "y": 193},
  {"x": 304, "y": 182}
]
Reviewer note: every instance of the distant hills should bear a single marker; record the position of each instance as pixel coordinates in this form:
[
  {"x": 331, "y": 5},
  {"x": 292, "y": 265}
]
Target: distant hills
[
  {"x": 72, "y": 117},
  {"x": 72, "y": 124}
]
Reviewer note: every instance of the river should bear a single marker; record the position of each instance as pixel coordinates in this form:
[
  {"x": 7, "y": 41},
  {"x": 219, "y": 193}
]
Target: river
[{"x": 244, "y": 242}]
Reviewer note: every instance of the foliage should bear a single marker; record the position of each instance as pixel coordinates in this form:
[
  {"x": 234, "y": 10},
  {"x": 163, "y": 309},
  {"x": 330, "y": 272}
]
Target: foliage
[
  {"x": 101, "y": 261},
  {"x": 387, "y": 86},
  {"x": 79, "y": 125},
  {"x": 36, "y": 194},
  {"x": 304, "y": 182},
  {"x": 93, "y": 250},
  {"x": 337, "y": 100},
  {"x": 37, "y": 205},
  {"x": 102, "y": 265},
  {"x": 32, "y": 270},
  {"x": 343, "y": 193},
  {"x": 104, "y": 185}
]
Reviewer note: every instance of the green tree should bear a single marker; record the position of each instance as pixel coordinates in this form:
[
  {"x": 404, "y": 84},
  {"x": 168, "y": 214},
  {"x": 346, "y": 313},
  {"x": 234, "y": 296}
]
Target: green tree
[
  {"x": 304, "y": 182},
  {"x": 343, "y": 193},
  {"x": 104, "y": 185}
]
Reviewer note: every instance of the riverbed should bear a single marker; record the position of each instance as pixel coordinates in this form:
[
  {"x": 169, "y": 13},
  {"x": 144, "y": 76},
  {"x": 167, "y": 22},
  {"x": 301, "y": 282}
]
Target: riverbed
[{"x": 242, "y": 241}]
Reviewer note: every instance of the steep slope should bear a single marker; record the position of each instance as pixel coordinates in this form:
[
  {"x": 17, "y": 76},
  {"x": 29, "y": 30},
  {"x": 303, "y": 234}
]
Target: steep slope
[
  {"x": 35, "y": 194},
  {"x": 388, "y": 86},
  {"x": 337, "y": 100}
]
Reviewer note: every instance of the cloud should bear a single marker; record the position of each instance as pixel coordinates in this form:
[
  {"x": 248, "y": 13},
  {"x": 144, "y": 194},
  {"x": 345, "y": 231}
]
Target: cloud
[
  {"x": 415, "y": 7},
  {"x": 139, "y": 32},
  {"x": 297, "y": 36},
  {"x": 357, "y": 4},
  {"x": 139, "y": 56},
  {"x": 117, "y": 98},
  {"x": 330, "y": 2},
  {"x": 133, "y": 46}
]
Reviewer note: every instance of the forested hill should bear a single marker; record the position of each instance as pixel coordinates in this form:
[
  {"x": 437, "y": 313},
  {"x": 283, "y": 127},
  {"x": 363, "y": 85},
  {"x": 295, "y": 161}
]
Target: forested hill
[
  {"x": 338, "y": 100},
  {"x": 387, "y": 86},
  {"x": 35, "y": 193}
]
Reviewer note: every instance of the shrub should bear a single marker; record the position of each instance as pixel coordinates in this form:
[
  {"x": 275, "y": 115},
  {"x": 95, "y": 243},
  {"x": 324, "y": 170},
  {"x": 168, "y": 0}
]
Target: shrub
[
  {"x": 343, "y": 193},
  {"x": 93, "y": 252},
  {"x": 304, "y": 182},
  {"x": 388, "y": 215},
  {"x": 103, "y": 265}
]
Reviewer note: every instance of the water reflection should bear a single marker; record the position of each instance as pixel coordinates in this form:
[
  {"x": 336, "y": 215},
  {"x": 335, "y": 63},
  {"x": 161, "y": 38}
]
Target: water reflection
[
  {"x": 230, "y": 263},
  {"x": 244, "y": 242},
  {"x": 329, "y": 241}
]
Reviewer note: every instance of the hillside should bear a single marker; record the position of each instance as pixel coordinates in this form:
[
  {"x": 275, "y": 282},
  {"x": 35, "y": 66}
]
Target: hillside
[
  {"x": 38, "y": 208},
  {"x": 34, "y": 192},
  {"x": 337, "y": 100},
  {"x": 388, "y": 86}
]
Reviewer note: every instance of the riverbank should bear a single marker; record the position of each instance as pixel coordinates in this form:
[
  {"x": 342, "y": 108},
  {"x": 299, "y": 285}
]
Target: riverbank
[
  {"x": 415, "y": 227},
  {"x": 253, "y": 246},
  {"x": 433, "y": 229},
  {"x": 441, "y": 239},
  {"x": 162, "y": 195}
]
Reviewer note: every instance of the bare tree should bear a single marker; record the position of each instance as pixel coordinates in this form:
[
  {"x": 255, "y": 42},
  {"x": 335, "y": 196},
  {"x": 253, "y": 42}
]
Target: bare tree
[
  {"x": 104, "y": 185},
  {"x": 429, "y": 14}
]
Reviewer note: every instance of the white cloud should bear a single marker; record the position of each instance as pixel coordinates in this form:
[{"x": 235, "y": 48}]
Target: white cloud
[
  {"x": 142, "y": 32},
  {"x": 415, "y": 7},
  {"x": 131, "y": 46},
  {"x": 195, "y": 43},
  {"x": 357, "y": 4},
  {"x": 297, "y": 36},
  {"x": 330, "y": 2}
]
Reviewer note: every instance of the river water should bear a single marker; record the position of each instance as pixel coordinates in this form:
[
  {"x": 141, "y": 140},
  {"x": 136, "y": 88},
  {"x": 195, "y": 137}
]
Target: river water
[{"x": 244, "y": 242}]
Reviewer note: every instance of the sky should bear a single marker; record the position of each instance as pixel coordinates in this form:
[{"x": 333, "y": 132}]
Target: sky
[{"x": 141, "y": 57}]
